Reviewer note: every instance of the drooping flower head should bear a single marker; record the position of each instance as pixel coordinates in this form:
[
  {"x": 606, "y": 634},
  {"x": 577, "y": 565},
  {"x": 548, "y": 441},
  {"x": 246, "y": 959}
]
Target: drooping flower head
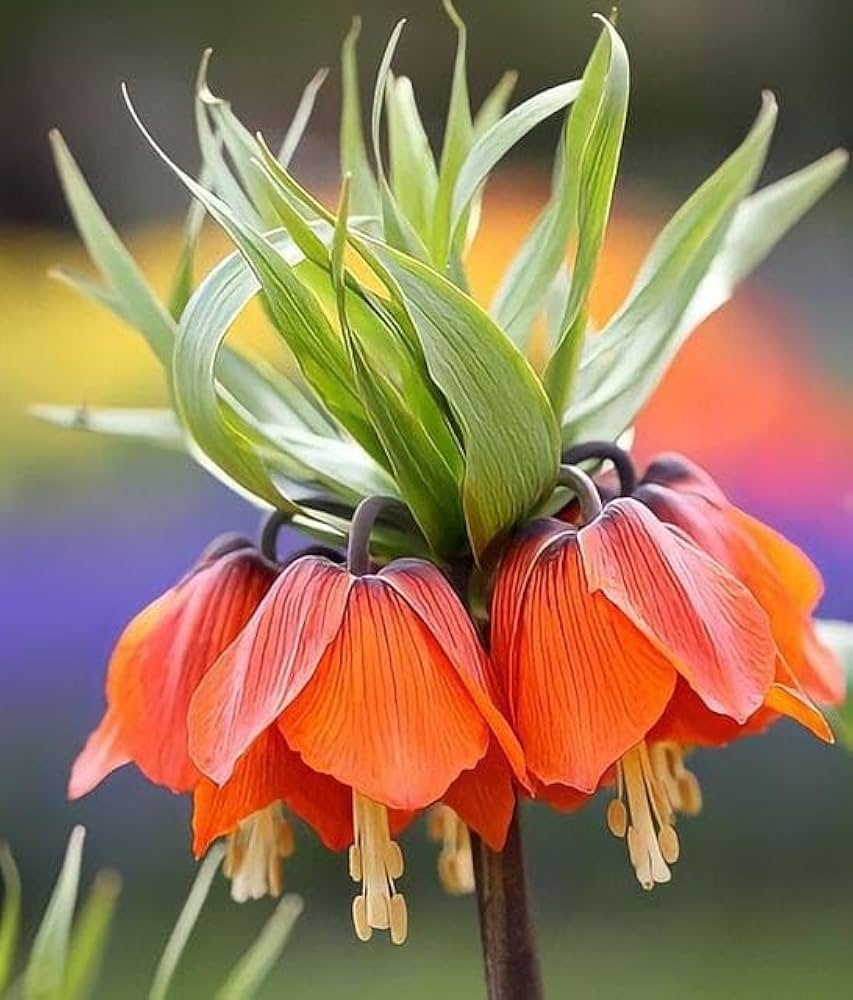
[
  {"x": 591, "y": 630},
  {"x": 153, "y": 672},
  {"x": 378, "y": 681}
]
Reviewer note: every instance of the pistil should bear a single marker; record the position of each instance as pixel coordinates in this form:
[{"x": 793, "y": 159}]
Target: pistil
[
  {"x": 255, "y": 851},
  {"x": 375, "y": 860}
]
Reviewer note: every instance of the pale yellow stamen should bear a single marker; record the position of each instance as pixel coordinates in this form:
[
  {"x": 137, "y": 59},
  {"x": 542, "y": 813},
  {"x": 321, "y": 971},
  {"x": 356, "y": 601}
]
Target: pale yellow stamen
[
  {"x": 681, "y": 785},
  {"x": 376, "y": 861},
  {"x": 255, "y": 851},
  {"x": 455, "y": 862},
  {"x": 643, "y": 814}
]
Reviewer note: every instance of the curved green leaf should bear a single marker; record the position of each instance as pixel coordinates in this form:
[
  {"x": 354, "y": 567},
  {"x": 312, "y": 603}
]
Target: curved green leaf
[
  {"x": 708, "y": 246},
  {"x": 458, "y": 138},
  {"x": 10, "y": 917},
  {"x": 594, "y": 142},
  {"x": 497, "y": 141},
  {"x": 354, "y": 161},
  {"x": 185, "y": 924},
  {"x": 509, "y": 434}
]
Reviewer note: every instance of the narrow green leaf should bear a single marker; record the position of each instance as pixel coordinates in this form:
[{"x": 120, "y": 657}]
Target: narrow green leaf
[
  {"x": 414, "y": 179},
  {"x": 498, "y": 140},
  {"x": 242, "y": 149},
  {"x": 336, "y": 464},
  {"x": 354, "y": 161},
  {"x": 295, "y": 313},
  {"x": 838, "y": 636},
  {"x": 458, "y": 138},
  {"x": 169, "y": 960},
  {"x": 509, "y": 434},
  {"x": 45, "y": 971},
  {"x": 301, "y": 117},
  {"x": 89, "y": 937},
  {"x": 624, "y": 362},
  {"x": 397, "y": 228},
  {"x": 494, "y": 106},
  {"x": 253, "y": 968},
  {"x": 594, "y": 142},
  {"x": 151, "y": 424},
  {"x": 427, "y": 482},
  {"x": 119, "y": 270},
  {"x": 184, "y": 279},
  {"x": 10, "y": 917},
  {"x": 130, "y": 298}
]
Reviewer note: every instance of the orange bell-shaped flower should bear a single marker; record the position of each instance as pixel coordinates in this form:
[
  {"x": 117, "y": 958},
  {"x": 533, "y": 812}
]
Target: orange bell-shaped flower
[
  {"x": 379, "y": 681},
  {"x": 591, "y": 629}
]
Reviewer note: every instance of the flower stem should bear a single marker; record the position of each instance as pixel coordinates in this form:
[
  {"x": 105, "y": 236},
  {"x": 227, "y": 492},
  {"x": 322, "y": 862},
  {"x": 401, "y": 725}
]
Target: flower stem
[{"x": 509, "y": 951}]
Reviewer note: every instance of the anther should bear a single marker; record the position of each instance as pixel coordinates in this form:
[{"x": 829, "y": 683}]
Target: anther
[
  {"x": 255, "y": 851},
  {"x": 376, "y": 861},
  {"x": 455, "y": 861}
]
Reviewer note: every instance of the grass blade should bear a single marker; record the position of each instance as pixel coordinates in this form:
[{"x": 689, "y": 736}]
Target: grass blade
[
  {"x": 89, "y": 937},
  {"x": 256, "y": 964},
  {"x": 45, "y": 970},
  {"x": 185, "y": 923},
  {"x": 10, "y": 919}
]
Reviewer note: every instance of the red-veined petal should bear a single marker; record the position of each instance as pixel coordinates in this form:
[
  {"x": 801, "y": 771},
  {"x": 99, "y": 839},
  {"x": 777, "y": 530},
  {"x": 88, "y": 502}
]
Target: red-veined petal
[
  {"x": 268, "y": 665},
  {"x": 484, "y": 797},
  {"x": 588, "y": 684},
  {"x": 270, "y": 772},
  {"x": 385, "y": 712},
  {"x": 694, "y": 610},
  {"x": 430, "y": 596},
  {"x": 798, "y": 573}
]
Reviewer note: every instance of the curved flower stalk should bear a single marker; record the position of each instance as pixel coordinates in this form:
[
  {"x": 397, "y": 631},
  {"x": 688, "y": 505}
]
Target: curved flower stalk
[{"x": 358, "y": 696}]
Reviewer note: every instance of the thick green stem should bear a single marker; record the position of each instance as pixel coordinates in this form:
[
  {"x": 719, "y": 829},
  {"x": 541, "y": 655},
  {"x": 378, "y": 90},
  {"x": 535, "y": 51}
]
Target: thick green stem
[{"x": 509, "y": 951}]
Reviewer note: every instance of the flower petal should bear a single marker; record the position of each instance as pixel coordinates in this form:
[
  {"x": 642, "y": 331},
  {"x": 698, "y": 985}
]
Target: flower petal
[
  {"x": 102, "y": 754},
  {"x": 267, "y": 665},
  {"x": 733, "y": 539},
  {"x": 161, "y": 658},
  {"x": 270, "y": 772},
  {"x": 385, "y": 711},
  {"x": 588, "y": 684},
  {"x": 508, "y": 597},
  {"x": 694, "y": 610},
  {"x": 795, "y": 705},
  {"x": 798, "y": 573},
  {"x": 432, "y": 599},
  {"x": 484, "y": 797}
]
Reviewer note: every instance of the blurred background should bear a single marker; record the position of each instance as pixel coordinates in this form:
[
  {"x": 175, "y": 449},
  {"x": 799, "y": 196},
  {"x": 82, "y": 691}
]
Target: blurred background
[{"x": 92, "y": 529}]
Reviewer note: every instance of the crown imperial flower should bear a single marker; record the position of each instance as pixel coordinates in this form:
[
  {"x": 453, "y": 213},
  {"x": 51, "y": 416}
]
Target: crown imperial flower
[
  {"x": 357, "y": 696},
  {"x": 592, "y": 628},
  {"x": 379, "y": 681}
]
